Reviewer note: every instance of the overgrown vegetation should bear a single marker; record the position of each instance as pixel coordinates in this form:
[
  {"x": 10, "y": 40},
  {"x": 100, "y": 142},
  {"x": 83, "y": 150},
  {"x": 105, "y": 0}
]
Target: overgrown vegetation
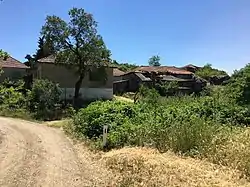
[
  {"x": 42, "y": 102},
  {"x": 124, "y": 66},
  {"x": 189, "y": 125},
  {"x": 208, "y": 71},
  {"x": 44, "y": 99}
]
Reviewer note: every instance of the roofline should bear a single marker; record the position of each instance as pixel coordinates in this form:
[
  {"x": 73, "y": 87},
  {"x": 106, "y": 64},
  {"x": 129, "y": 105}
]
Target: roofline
[
  {"x": 52, "y": 63},
  {"x": 15, "y": 67},
  {"x": 25, "y": 67}
]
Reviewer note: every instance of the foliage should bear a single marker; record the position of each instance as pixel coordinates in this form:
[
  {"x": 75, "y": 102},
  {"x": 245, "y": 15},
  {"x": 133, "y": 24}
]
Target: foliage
[
  {"x": 12, "y": 98},
  {"x": 77, "y": 43},
  {"x": 190, "y": 122},
  {"x": 238, "y": 87},
  {"x": 3, "y": 54},
  {"x": 44, "y": 99},
  {"x": 168, "y": 88},
  {"x": 154, "y": 61},
  {"x": 13, "y": 101},
  {"x": 207, "y": 72},
  {"x": 124, "y": 66},
  {"x": 90, "y": 121},
  {"x": 45, "y": 48}
]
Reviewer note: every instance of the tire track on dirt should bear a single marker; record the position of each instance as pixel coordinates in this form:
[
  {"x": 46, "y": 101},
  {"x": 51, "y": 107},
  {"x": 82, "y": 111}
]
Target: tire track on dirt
[{"x": 34, "y": 155}]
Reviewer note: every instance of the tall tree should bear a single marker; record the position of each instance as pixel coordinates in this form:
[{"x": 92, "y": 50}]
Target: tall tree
[
  {"x": 45, "y": 48},
  {"x": 3, "y": 54},
  {"x": 77, "y": 42},
  {"x": 154, "y": 61}
]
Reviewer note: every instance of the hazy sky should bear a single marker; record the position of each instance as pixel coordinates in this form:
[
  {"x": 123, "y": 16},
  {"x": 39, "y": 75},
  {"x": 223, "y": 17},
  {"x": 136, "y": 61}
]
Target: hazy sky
[{"x": 180, "y": 31}]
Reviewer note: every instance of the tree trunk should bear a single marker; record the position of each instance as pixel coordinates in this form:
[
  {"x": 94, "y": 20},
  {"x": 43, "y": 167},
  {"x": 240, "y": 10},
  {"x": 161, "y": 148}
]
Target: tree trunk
[{"x": 78, "y": 86}]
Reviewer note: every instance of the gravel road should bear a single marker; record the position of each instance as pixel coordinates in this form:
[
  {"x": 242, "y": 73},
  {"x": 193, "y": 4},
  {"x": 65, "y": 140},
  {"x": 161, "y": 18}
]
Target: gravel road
[{"x": 32, "y": 154}]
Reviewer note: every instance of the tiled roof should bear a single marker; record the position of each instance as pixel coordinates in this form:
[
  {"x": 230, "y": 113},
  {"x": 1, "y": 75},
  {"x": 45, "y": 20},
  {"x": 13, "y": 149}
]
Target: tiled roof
[
  {"x": 12, "y": 63},
  {"x": 163, "y": 69},
  {"x": 142, "y": 77},
  {"x": 191, "y": 66},
  {"x": 117, "y": 72},
  {"x": 48, "y": 59},
  {"x": 172, "y": 78}
]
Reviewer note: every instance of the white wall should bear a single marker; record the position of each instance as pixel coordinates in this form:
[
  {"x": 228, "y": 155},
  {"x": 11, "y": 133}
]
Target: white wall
[{"x": 88, "y": 93}]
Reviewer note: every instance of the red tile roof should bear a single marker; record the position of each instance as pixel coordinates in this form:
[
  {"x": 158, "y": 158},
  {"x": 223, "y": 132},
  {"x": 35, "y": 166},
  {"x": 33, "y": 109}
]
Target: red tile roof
[
  {"x": 163, "y": 69},
  {"x": 117, "y": 72},
  {"x": 12, "y": 63}
]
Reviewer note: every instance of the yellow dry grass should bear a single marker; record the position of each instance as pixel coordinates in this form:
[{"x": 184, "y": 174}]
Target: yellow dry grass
[
  {"x": 146, "y": 167},
  {"x": 234, "y": 152},
  {"x": 120, "y": 98},
  {"x": 58, "y": 123}
]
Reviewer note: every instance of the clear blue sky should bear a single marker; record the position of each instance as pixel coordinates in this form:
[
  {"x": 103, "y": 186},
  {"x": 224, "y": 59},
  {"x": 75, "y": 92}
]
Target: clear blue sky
[{"x": 180, "y": 31}]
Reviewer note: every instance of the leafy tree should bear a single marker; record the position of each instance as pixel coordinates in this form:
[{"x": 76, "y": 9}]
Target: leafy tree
[
  {"x": 77, "y": 43},
  {"x": 3, "y": 54},
  {"x": 208, "y": 71},
  {"x": 124, "y": 66},
  {"x": 45, "y": 48},
  {"x": 154, "y": 61},
  {"x": 239, "y": 86}
]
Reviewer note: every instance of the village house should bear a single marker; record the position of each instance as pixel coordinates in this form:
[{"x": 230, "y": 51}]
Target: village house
[
  {"x": 12, "y": 69},
  {"x": 117, "y": 74},
  {"x": 93, "y": 86},
  {"x": 149, "y": 75}
]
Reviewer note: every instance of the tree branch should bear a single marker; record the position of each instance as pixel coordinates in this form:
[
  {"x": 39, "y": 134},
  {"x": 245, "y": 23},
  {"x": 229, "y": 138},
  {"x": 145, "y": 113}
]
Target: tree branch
[{"x": 70, "y": 46}]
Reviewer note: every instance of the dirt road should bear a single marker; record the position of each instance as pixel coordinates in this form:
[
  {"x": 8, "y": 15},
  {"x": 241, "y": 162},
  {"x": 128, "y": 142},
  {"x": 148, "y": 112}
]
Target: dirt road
[{"x": 35, "y": 155}]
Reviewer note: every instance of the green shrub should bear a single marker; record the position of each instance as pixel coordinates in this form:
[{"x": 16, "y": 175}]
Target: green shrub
[
  {"x": 207, "y": 72},
  {"x": 11, "y": 97},
  {"x": 238, "y": 87},
  {"x": 44, "y": 99},
  {"x": 90, "y": 121},
  {"x": 173, "y": 125}
]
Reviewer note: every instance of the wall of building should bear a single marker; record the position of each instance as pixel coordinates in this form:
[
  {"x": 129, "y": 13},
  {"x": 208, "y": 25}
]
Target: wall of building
[
  {"x": 12, "y": 73},
  {"x": 117, "y": 78},
  {"x": 67, "y": 79},
  {"x": 88, "y": 93}
]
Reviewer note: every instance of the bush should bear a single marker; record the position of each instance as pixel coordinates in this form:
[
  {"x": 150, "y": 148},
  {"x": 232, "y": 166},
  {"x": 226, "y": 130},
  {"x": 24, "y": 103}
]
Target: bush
[
  {"x": 90, "y": 121},
  {"x": 44, "y": 99},
  {"x": 183, "y": 126},
  {"x": 207, "y": 72},
  {"x": 238, "y": 87},
  {"x": 11, "y": 97},
  {"x": 13, "y": 101}
]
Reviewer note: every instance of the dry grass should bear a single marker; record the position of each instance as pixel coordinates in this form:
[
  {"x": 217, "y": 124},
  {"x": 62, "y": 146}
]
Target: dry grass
[
  {"x": 120, "y": 98},
  {"x": 235, "y": 152},
  {"x": 57, "y": 124},
  {"x": 147, "y": 167}
]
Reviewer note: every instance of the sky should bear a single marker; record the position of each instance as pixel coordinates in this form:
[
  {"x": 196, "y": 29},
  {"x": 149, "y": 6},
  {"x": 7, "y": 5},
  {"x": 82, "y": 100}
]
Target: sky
[{"x": 179, "y": 31}]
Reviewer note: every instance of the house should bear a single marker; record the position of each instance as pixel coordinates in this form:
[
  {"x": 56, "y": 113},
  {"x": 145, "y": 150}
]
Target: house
[
  {"x": 117, "y": 74},
  {"x": 93, "y": 86},
  {"x": 12, "y": 69},
  {"x": 151, "y": 75},
  {"x": 130, "y": 82}
]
